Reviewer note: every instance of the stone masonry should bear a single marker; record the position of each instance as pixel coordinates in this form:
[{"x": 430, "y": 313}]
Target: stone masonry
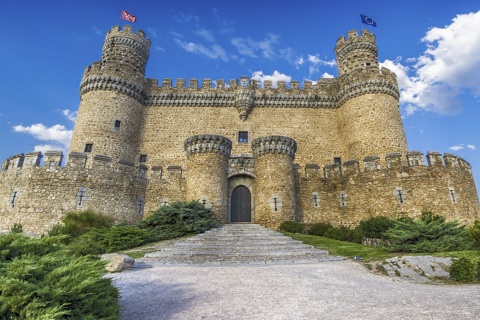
[{"x": 332, "y": 151}]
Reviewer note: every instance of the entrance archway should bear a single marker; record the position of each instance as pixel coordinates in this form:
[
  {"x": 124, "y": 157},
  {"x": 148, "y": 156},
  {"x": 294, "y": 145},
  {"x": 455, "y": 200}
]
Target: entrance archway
[{"x": 241, "y": 205}]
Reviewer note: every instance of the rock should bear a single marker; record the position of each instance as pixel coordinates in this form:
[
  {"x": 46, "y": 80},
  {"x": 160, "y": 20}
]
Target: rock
[
  {"x": 418, "y": 268},
  {"x": 117, "y": 262}
]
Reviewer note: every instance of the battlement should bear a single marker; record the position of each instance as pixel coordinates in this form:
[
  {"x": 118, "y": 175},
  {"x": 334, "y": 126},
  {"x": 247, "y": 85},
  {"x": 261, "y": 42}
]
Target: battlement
[
  {"x": 394, "y": 161},
  {"x": 353, "y": 37},
  {"x": 127, "y": 32},
  {"x": 274, "y": 145},
  {"x": 208, "y": 143}
]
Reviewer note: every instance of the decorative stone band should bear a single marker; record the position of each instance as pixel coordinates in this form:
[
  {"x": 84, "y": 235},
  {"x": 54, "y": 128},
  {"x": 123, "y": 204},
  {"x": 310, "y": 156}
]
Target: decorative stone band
[
  {"x": 208, "y": 143},
  {"x": 369, "y": 86},
  {"x": 142, "y": 50},
  {"x": 274, "y": 144},
  {"x": 113, "y": 83},
  {"x": 356, "y": 46},
  {"x": 279, "y": 100}
]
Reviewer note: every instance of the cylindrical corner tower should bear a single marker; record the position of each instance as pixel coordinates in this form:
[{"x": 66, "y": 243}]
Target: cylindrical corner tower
[
  {"x": 207, "y": 165},
  {"x": 369, "y": 117},
  {"x": 112, "y": 97},
  {"x": 275, "y": 182}
]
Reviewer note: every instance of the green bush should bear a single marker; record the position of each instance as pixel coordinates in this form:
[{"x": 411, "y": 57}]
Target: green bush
[
  {"x": 191, "y": 217},
  {"x": 39, "y": 279},
  {"x": 77, "y": 223},
  {"x": 474, "y": 233},
  {"x": 291, "y": 226},
  {"x": 318, "y": 229},
  {"x": 374, "y": 227},
  {"x": 463, "y": 270},
  {"x": 16, "y": 228},
  {"x": 107, "y": 240},
  {"x": 344, "y": 233},
  {"x": 428, "y": 233}
]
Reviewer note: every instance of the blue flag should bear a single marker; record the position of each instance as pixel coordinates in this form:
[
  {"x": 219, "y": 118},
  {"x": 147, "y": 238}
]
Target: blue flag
[{"x": 368, "y": 20}]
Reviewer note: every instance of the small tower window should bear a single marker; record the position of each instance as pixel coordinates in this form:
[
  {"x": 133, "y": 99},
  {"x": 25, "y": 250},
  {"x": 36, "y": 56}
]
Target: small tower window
[
  {"x": 143, "y": 158},
  {"x": 242, "y": 136},
  {"x": 337, "y": 161},
  {"x": 13, "y": 198},
  {"x": 117, "y": 124},
  {"x": 88, "y": 147},
  {"x": 81, "y": 197}
]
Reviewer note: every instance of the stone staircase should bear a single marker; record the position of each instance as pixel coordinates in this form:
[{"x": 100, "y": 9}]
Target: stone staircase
[{"x": 238, "y": 243}]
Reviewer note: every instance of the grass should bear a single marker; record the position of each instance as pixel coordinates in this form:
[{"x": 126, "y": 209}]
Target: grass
[
  {"x": 349, "y": 249},
  {"x": 342, "y": 248}
]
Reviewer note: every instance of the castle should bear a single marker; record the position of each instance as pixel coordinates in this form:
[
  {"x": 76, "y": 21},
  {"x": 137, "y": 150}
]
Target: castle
[{"x": 334, "y": 151}]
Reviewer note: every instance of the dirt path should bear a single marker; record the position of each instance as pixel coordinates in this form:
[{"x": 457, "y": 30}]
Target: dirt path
[{"x": 326, "y": 290}]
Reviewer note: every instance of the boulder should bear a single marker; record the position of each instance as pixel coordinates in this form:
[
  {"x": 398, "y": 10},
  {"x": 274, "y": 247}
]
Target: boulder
[{"x": 117, "y": 262}]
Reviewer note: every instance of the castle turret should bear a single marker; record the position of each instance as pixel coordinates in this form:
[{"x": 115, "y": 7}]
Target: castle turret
[
  {"x": 369, "y": 115},
  {"x": 207, "y": 165},
  {"x": 275, "y": 184},
  {"x": 112, "y": 98}
]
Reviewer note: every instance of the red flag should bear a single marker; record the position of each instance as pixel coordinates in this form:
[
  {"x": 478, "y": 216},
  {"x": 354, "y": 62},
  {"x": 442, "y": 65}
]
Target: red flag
[{"x": 127, "y": 16}]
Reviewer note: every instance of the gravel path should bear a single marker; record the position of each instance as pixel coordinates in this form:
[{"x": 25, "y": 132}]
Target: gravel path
[{"x": 326, "y": 290}]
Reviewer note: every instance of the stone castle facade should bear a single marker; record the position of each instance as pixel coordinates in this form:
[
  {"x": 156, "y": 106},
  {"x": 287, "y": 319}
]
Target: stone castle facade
[{"x": 334, "y": 151}]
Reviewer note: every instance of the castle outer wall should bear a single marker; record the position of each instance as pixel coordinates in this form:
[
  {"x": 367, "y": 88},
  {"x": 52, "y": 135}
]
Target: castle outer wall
[{"x": 332, "y": 151}]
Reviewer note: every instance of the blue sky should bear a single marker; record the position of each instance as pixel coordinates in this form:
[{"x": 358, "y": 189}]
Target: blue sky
[{"x": 433, "y": 46}]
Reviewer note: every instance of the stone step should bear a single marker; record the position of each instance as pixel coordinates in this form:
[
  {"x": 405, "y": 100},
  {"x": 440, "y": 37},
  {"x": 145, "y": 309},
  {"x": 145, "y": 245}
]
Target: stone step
[{"x": 238, "y": 243}]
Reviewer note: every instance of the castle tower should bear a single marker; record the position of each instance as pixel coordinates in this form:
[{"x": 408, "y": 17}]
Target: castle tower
[
  {"x": 274, "y": 182},
  {"x": 369, "y": 117},
  {"x": 207, "y": 165},
  {"x": 112, "y": 98}
]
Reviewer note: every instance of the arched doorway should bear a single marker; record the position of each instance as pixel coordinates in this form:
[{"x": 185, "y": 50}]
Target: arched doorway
[{"x": 241, "y": 205}]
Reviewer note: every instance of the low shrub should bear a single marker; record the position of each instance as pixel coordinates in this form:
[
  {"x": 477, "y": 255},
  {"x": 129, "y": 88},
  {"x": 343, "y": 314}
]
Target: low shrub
[
  {"x": 107, "y": 240},
  {"x": 191, "y": 217},
  {"x": 474, "y": 233},
  {"x": 291, "y": 226},
  {"x": 428, "y": 233},
  {"x": 374, "y": 227},
  {"x": 16, "y": 228},
  {"x": 39, "y": 279},
  {"x": 77, "y": 223},
  {"x": 344, "y": 233},
  {"x": 463, "y": 270},
  {"x": 318, "y": 229}
]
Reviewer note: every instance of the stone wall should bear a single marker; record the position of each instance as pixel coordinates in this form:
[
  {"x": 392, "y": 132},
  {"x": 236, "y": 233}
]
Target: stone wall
[
  {"x": 345, "y": 195},
  {"x": 39, "y": 196}
]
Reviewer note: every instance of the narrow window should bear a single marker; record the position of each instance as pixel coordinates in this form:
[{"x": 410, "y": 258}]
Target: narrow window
[
  {"x": 143, "y": 158},
  {"x": 81, "y": 197},
  {"x": 337, "y": 161},
  {"x": 242, "y": 136},
  {"x": 88, "y": 147},
  {"x": 13, "y": 198},
  {"x": 117, "y": 124}
]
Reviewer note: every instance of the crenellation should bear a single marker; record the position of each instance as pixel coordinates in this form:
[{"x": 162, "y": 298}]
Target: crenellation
[
  {"x": 332, "y": 171},
  {"x": 351, "y": 167},
  {"x": 415, "y": 158},
  {"x": 371, "y": 163},
  {"x": 394, "y": 160},
  {"x": 206, "y": 84},
  {"x": 53, "y": 158},
  {"x": 166, "y": 83},
  {"x": 193, "y": 83},
  {"x": 32, "y": 159}
]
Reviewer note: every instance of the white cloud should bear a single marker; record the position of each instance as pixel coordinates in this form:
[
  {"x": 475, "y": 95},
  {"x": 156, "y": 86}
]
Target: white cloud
[
  {"x": 471, "y": 147},
  {"x": 456, "y": 148},
  {"x": 249, "y": 47},
  {"x": 315, "y": 63},
  {"x": 70, "y": 115},
  {"x": 160, "y": 49},
  {"x": 205, "y": 34},
  {"x": 448, "y": 67},
  {"x": 152, "y": 32},
  {"x": 275, "y": 77},
  {"x": 58, "y": 136},
  {"x": 97, "y": 31},
  {"x": 327, "y": 75},
  {"x": 298, "y": 62},
  {"x": 214, "y": 52}
]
